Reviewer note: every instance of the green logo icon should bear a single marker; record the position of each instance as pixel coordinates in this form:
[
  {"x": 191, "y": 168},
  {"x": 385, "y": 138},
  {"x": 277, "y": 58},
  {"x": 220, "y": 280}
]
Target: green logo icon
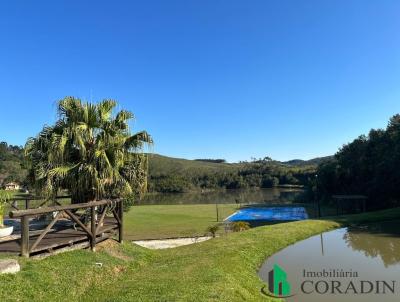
[{"x": 277, "y": 282}]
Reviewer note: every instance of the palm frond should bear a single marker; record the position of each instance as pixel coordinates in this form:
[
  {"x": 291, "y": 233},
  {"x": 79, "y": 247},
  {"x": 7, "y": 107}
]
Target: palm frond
[{"x": 88, "y": 152}]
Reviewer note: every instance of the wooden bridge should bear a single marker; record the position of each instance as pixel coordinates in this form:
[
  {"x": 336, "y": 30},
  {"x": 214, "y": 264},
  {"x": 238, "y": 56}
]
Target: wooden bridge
[{"x": 83, "y": 225}]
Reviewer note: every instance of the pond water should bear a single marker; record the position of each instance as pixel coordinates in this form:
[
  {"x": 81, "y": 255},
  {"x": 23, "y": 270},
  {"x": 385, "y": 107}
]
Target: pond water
[
  {"x": 267, "y": 196},
  {"x": 348, "y": 264}
]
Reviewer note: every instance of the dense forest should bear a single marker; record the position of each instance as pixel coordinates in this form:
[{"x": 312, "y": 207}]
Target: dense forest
[
  {"x": 370, "y": 165},
  {"x": 11, "y": 164}
]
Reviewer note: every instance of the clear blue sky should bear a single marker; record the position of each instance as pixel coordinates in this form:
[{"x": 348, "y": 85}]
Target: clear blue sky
[{"x": 208, "y": 79}]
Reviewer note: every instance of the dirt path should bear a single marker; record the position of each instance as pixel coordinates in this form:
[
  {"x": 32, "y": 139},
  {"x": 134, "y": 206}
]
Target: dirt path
[{"x": 170, "y": 243}]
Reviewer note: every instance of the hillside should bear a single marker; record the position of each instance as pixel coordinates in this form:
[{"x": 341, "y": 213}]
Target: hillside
[
  {"x": 168, "y": 174},
  {"x": 11, "y": 164},
  {"x": 176, "y": 175},
  {"x": 161, "y": 165},
  {"x": 311, "y": 162}
]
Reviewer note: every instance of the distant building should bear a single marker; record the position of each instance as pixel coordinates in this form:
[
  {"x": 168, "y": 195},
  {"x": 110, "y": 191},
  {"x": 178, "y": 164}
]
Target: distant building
[{"x": 12, "y": 186}]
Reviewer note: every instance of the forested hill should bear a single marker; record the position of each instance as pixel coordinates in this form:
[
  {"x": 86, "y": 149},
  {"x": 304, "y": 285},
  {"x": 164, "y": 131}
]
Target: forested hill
[
  {"x": 169, "y": 174},
  {"x": 160, "y": 164},
  {"x": 11, "y": 164},
  {"x": 369, "y": 165},
  {"x": 315, "y": 161}
]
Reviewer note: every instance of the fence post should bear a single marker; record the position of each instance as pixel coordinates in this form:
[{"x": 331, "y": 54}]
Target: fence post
[
  {"x": 93, "y": 228},
  {"x": 26, "y": 204},
  {"x": 121, "y": 214},
  {"x": 25, "y": 236}
]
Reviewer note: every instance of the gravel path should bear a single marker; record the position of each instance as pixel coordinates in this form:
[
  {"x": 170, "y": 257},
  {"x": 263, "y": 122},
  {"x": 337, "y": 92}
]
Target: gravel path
[{"x": 169, "y": 243}]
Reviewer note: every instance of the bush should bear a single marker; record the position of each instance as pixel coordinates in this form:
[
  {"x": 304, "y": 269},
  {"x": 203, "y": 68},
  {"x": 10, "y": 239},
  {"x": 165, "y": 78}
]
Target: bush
[
  {"x": 4, "y": 197},
  {"x": 212, "y": 230},
  {"x": 239, "y": 226}
]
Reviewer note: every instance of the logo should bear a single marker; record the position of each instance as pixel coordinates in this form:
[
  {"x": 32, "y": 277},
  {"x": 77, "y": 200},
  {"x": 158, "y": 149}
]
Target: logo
[
  {"x": 278, "y": 285},
  {"x": 325, "y": 282}
]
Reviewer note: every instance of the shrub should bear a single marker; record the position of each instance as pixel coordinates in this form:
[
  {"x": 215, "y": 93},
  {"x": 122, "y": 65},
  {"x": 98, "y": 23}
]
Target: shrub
[
  {"x": 239, "y": 226},
  {"x": 4, "y": 197},
  {"x": 212, "y": 230}
]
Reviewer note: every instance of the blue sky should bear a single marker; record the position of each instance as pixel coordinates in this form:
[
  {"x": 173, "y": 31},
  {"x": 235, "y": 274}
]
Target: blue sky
[{"x": 208, "y": 79}]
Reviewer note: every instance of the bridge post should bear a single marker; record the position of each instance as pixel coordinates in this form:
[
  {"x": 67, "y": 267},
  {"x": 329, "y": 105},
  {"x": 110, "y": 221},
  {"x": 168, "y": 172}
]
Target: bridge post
[
  {"x": 93, "y": 228},
  {"x": 25, "y": 236},
  {"x": 121, "y": 214}
]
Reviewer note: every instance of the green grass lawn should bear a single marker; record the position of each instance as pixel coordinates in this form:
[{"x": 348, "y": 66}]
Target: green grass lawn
[
  {"x": 221, "y": 269},
  {"x": 167, "y": 221},
  {"x": 162, "y": 221}
]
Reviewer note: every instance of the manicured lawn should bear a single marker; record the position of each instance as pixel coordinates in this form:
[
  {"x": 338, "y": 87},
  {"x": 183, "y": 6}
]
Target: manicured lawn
[
  {"x": 166, "y": 221},
  {"x": 222, "y": 269}
]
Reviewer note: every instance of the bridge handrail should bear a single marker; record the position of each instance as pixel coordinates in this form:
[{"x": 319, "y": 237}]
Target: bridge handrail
[
  {"x": 45, "y": 210},
  {"x": 91, "y": 230}
]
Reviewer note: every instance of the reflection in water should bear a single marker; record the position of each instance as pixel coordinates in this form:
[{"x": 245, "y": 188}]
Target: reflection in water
[
  {"x": 378, "y": 240},
  {"x": 373, "y": 252},
  {"x": 273, "y": 195},
  {"x": 322, "y": 244}
]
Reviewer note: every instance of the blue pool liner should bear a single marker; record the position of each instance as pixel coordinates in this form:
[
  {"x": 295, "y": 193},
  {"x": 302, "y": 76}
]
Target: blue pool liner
[{"x": 269, "y": 214}]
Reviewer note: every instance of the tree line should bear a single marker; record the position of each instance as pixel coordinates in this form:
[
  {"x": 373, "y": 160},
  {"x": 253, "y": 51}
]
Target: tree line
[
  {"x": 12, "y": 166},
  {"x": 255, "y": 174},
  {"x": 369, "y": 165},
  {"x": 211, "y": 160}
]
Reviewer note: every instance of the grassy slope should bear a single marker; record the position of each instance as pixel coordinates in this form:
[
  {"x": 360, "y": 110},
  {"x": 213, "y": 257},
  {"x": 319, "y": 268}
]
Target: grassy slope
[
  {"x": 164, "y": 165},
  {"x": 222, "y": 269},
  {"x": 159, "y": 164},
  {"x": 160, "y": 221}
]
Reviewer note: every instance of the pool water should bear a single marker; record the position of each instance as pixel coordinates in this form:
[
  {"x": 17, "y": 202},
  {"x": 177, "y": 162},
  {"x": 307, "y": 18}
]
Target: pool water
[{"x": 269, "y": 214}]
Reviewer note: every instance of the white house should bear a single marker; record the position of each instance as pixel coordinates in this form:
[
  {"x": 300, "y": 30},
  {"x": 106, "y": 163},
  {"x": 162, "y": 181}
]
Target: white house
[{"x": 12, "y": 186}]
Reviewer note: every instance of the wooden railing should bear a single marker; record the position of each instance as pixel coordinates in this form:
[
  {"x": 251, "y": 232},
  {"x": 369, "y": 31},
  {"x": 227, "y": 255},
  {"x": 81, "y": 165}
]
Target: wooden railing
[{"x": 88, "y": 219}]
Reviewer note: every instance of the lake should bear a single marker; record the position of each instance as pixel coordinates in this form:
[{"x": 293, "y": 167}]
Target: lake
[
  {"x": 366, "y": 256},
  {"x": 255, "y": 196}
]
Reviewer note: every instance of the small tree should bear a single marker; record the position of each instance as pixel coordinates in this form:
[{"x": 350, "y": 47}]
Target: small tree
[
  {"x": 4, "y": 197},
  {"x": 213, "y": 230},
  {"x": 90, "y": 151}
]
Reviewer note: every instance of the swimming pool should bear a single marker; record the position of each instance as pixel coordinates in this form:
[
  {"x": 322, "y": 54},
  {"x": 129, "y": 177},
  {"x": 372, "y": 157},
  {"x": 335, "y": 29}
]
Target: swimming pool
[{"x": 269, "y": 214}]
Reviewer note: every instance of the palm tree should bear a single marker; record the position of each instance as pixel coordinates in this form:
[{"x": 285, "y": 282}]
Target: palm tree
[{"x": 89, "y": 151}]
